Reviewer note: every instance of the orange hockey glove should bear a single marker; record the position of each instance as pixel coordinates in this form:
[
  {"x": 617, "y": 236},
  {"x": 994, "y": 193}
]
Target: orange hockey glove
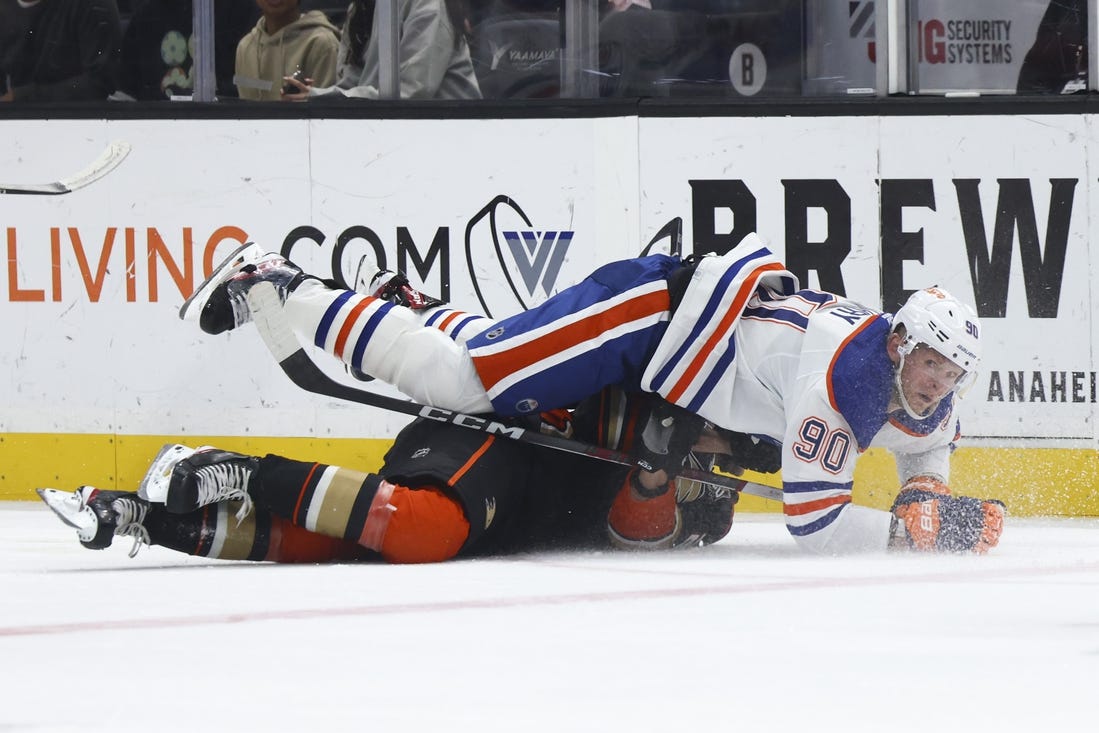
[{"x": 926, "y": 517}]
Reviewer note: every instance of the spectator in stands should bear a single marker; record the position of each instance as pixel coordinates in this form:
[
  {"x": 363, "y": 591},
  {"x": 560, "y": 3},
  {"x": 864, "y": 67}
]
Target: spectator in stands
[
  {"x": 54, "y": 50},
  {"x": 617, "y": 6},
  {"x": 486, "y": 8},
  {"x": 433, "y": 54},
  {"x": 157, "y": 44},
  {"x": 1057, "y": 63},
  {"x": 285, "y": 42}
]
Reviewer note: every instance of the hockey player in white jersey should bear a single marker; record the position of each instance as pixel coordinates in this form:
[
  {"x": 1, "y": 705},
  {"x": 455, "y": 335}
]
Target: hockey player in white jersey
[{"x": 729, "y": 338}]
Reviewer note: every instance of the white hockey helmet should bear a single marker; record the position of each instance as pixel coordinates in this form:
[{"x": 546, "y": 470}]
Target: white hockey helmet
[{"x": 937, "y": 319}]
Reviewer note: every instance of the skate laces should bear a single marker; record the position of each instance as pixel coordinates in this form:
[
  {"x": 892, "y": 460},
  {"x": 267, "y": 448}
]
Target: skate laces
[
  {"x": 225, "y": 482},
  {"x": 131, "y": 522}
]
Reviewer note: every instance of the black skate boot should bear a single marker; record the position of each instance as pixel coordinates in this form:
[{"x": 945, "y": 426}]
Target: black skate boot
[
  {"x": 392, "y": 287},
  {"x": 210, "y": 475},
  {"x": 220, "y": 302},
  {"x": 99, "y": 516}
]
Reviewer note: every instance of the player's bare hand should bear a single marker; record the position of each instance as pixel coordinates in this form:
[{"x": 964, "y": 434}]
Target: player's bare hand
[
  {"x": 648, "y": 484},
  {"x": 711, "y": 441},
  {"x": 301, "y": 85}
]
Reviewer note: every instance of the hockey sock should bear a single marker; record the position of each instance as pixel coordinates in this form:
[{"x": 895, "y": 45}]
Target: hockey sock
[
  {"x": 329, "y": 500},
  {"x": 428, "y": 525},
  {"x": 642, "y": 523},
  {"x": 214, "y": 532},
  {"x": 457, "y": 325},
  {"x": 292, "y": 544},
  {"x": 390, "y": 343},
  {"x": 405, "y": 525}
]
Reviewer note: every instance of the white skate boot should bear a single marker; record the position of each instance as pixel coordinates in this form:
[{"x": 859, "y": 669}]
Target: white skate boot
[
  {"x": 185, "y": 479},
  {"x": 99, "y": 516},
  {"x": 220, "y": 303}
]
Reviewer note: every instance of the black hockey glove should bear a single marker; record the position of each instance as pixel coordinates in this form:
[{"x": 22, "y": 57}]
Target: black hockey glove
[
  {"x": 748, "y": 451},
  {"x": 667, "y": 434},
  {"x": 705, "y": 511}
]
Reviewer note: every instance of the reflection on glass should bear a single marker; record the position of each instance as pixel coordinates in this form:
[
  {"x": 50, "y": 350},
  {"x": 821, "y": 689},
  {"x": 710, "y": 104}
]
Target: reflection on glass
[
  {"x": 516, "y": 49},
  {"x": 701, "y": 48},
  {"x": 58, "y": 51},
  {"x": 994, "y": 47},
  {"x": 1057, "y": 61},
  {"x": 158, "y": 47},
  {"x": 841, "y": 53},
  {"x": 144, "y": 50}
]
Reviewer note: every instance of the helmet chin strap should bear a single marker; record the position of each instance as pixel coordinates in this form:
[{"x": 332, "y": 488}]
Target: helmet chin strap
[{"x": 904, "y": 350}]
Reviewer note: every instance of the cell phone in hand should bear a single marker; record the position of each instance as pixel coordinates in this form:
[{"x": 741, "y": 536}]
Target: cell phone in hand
[{"x": 289, "y": 88}]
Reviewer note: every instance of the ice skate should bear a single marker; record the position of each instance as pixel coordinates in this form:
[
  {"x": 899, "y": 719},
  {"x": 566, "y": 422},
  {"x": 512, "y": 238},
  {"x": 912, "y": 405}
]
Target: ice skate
[
  {"x": 392, "y": 287},
  {"x": 219, "y": 303},
  {"x": 98, "y": 516},
  {"x": 205, "y": 476},
  {"x": 369, "y": 278},
  {"x": 154, "y": 486}
]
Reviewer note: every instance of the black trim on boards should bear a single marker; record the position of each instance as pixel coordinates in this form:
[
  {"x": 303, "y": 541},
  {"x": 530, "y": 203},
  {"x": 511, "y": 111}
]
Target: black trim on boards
[{"x": 559, "y": 109}]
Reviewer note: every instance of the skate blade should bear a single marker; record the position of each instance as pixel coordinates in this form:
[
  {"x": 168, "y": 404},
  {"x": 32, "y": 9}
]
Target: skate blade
[
  {"x": 358, "y": 374},
  {"x": 69, "y": 508},
  {"x": 192, "y": 307},
  {"x": 364, "y": 274}
]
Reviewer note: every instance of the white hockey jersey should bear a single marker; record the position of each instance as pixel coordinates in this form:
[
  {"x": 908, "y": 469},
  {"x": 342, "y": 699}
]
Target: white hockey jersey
[{"x": 750, "y": 352}]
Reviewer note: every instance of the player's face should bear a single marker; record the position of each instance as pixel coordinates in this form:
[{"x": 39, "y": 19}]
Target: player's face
[{"x": 927, "y": 377}]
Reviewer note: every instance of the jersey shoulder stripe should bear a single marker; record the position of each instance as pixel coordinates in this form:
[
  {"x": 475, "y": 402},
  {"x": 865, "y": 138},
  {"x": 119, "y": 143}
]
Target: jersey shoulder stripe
[{"x": 714, "y": 306}]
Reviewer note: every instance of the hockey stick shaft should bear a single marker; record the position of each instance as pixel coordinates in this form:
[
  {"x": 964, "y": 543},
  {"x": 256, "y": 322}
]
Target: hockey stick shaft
[
  {"x": 274, "y": 329},
  {"x": 107, "y": 161}
]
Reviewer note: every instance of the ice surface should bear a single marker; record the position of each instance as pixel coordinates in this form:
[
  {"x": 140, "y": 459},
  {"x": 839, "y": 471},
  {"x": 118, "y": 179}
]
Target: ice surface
[{"x": 746, "y": 635}]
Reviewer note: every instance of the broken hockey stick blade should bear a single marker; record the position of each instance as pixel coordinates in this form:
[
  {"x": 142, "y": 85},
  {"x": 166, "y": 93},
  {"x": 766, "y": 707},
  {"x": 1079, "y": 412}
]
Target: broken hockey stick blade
[
  {"x": 107, "y": 161},
  {"x": 267, "y": 313}
]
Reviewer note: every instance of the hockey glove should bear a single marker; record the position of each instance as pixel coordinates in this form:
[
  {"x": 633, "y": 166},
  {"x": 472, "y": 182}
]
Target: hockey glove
[
  {"x": 748, "y": 452},
  {"x": 705, "y": 511},
  {"x": 667, "y": 434},
  {"x": 927, "y": 518}
]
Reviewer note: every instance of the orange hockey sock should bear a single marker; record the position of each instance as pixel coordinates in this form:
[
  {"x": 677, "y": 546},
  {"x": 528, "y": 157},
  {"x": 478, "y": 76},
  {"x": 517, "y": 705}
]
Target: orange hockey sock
[
  {"x": 427, "y": 525},
  {"x": 646, "y": 522},
  {"x": 296, "y": 544}
]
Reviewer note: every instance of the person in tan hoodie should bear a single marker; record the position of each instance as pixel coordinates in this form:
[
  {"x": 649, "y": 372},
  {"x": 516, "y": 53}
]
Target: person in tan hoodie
[
  {"x": 433, "y": 48},
  {"x": 285, "y": 42}
]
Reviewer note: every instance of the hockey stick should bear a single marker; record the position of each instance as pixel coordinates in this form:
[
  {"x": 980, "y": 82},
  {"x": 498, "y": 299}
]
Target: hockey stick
[
  {"x": 107, "y": 161},
  {"x": 274, "y": 329}
]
